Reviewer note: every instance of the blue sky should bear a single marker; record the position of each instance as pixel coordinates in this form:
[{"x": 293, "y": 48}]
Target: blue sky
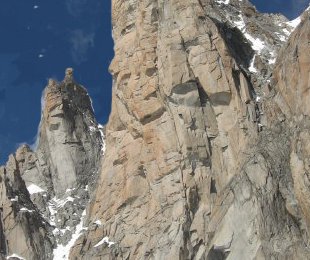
[
  {"x": 40, "y": 38},
  {"x": 290, "y": 8}
]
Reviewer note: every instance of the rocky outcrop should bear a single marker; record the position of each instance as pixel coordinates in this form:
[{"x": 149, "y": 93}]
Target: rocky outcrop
[
  {"x": 196, "y": 167},
  {"x": 23, "y": 231},
  {"x": 45, "y": 192}
]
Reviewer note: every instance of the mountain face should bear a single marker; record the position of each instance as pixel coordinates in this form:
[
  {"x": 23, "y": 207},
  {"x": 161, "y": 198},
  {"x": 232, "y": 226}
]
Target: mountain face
[
  {"x": 207, "y": 145},
  {"x": 43, "y": 193}
]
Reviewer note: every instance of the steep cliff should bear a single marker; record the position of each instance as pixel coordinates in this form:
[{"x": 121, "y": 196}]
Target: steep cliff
[
  {"x": 199, "y": 162},
  {"x": 292, "y": 81},
  {"x": 207, "y": 145}
]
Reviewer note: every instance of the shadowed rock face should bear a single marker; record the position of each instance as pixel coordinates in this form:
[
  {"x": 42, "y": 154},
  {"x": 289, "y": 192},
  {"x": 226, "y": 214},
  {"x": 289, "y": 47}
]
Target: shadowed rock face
[
  {"x": 197, "y": 165},
  {"x": 44, "y": 192},
  {"x": 292, "y": 80}
]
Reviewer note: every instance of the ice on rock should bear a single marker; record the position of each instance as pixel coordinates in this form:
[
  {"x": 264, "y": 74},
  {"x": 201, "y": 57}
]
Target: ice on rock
[
  {"x": 105, "y": 240},
  {"x": 33, "y": 189}
]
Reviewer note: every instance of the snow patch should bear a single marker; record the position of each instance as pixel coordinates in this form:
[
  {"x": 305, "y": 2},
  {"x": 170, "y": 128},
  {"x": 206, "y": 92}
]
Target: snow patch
[
  {"x": 286, "y": 31},
  {"x": 33, "y": 189},
  {"x": 283, "y": 38},
  {"x": 240, "y": 24},
  {"x": 15, "y": 256},
  {"x": 103, "y": 148},
  {"x": 15, "y": 199},
  {"x": 272, "y": 61},
  {"x": 294, "y": 23},
  {"x": 273, "y": 58},
  {"x": 92, "y": 129},
  {"x": 105, "y": 240},
  {"x": 62, "y": 252},
  {"x": 98, "y": 222},
  {"x": 257, "y": 44},
  {"x": 26, "y": 210},
  {"x": 226, "y": 2},
  {"x": 252, "y": 67}
]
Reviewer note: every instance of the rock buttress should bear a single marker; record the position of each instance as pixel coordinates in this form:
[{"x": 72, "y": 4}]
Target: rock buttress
[{"x": 187, "y": 175}]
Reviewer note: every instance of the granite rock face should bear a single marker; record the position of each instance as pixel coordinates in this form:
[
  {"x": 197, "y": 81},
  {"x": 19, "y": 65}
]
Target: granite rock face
[
  {"x": 207, "y": 145},
  {"x": 44, "y": 192},
  {"x": 200, "y": 159}
]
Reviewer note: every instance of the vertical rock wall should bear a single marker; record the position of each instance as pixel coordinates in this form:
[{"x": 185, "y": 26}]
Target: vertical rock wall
[
  {"x": 198, "y": 166},
  {"x": 187, "y": 174},
  {"x": 292, "y": 80}
]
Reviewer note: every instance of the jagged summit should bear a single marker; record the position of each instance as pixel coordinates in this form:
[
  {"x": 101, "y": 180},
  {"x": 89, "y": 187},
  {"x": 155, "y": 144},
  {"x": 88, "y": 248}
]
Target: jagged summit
[
  {"x": 56, "y": 177},
  {"x": 68, "y": 132},
  {"x": 69, "y": 75}
]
